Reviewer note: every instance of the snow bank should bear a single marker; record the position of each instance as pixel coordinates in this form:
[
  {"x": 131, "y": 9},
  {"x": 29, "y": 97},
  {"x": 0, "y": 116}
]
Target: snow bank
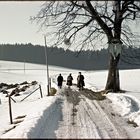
[
  {"x": 126, "y": 105},
  {"x": 33, "y": 123}
]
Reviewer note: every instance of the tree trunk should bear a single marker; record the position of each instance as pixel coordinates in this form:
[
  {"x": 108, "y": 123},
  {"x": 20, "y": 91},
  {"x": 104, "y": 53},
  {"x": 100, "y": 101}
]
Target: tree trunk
[{"x": 113, "y": 81}]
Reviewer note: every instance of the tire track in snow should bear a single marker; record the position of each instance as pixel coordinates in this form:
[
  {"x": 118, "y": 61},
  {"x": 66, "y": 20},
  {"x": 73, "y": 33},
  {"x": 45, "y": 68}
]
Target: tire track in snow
[
  {"x": 94, "y": 115},
  {"x": 80, "y": 117},
  {"x": 93, "y": 120},
  {"x": 108, "y": 127}
]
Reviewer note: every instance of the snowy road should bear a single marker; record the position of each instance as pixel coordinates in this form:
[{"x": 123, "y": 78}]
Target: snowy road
[
  {"x": 78, "y": 115},
  {"x": 70, "y": 113}
]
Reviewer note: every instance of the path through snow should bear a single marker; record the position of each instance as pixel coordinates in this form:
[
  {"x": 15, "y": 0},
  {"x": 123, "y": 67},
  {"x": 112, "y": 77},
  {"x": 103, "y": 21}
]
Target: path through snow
[{"x": 77, "y": 116}]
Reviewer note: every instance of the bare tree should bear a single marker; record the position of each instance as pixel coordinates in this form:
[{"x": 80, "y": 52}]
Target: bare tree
[{"x": 92, "y": 24}]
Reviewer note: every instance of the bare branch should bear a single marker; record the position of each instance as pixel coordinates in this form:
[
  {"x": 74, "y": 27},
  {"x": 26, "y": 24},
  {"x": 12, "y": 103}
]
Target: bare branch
[{"x": 84, "y": 21}]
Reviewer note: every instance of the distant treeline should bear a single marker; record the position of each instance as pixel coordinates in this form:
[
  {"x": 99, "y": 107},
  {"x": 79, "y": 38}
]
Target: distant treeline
[{"x": 85, "y": 60}]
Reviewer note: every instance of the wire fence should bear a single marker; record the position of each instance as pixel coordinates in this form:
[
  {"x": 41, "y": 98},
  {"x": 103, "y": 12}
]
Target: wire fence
[{"x": 11, "y": 99}]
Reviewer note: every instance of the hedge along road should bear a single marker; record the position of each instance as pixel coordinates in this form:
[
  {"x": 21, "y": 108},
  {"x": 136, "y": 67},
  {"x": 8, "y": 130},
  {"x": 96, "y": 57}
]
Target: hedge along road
[{"x": 78, "y": 114}]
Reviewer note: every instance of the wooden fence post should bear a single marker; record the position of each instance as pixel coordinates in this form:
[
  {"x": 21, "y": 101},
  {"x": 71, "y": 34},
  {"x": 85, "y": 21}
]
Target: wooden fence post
[
  {"x": 10, "y": 110},
  {"x": 40, "y": 91}
]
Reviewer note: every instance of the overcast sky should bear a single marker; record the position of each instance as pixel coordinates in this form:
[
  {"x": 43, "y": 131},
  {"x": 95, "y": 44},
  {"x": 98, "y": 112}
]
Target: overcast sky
[{"x": 15, "y": 26}]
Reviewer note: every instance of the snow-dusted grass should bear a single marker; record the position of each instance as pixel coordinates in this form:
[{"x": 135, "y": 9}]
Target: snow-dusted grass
[{"x": 37, "y": 109}]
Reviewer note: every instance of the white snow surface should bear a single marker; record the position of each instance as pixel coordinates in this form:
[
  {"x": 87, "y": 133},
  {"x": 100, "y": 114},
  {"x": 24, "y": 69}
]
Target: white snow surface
[{"x": 34, "y": 112}]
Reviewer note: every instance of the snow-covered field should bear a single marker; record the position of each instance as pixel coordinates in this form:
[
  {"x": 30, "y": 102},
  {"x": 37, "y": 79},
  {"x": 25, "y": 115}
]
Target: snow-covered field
[{"x": 30, "y": 115}]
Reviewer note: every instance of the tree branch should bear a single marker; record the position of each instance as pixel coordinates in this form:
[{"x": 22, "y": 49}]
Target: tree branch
[{"x": 95, "y": 16}]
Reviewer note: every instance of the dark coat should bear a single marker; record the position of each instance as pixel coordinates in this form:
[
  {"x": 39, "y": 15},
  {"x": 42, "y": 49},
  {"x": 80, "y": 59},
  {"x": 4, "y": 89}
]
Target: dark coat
[
  {"x": 80, "y": 81},
  {"x": 60, "y": 80},
  {"x": 69, "y": 80}
]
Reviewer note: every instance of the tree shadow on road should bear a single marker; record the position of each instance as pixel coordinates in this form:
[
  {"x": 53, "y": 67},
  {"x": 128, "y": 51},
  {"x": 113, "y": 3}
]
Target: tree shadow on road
[
  {"x": 74, "y": 96},
  {"x": 92, "y": 95}
]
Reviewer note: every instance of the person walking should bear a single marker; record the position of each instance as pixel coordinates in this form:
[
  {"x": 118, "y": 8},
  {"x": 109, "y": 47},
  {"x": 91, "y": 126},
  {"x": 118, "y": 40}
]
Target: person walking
[
  {"x": 69, "y": 80},
  {"x": 60, "y": 80},
  {"x": 80, "y": 81}
]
